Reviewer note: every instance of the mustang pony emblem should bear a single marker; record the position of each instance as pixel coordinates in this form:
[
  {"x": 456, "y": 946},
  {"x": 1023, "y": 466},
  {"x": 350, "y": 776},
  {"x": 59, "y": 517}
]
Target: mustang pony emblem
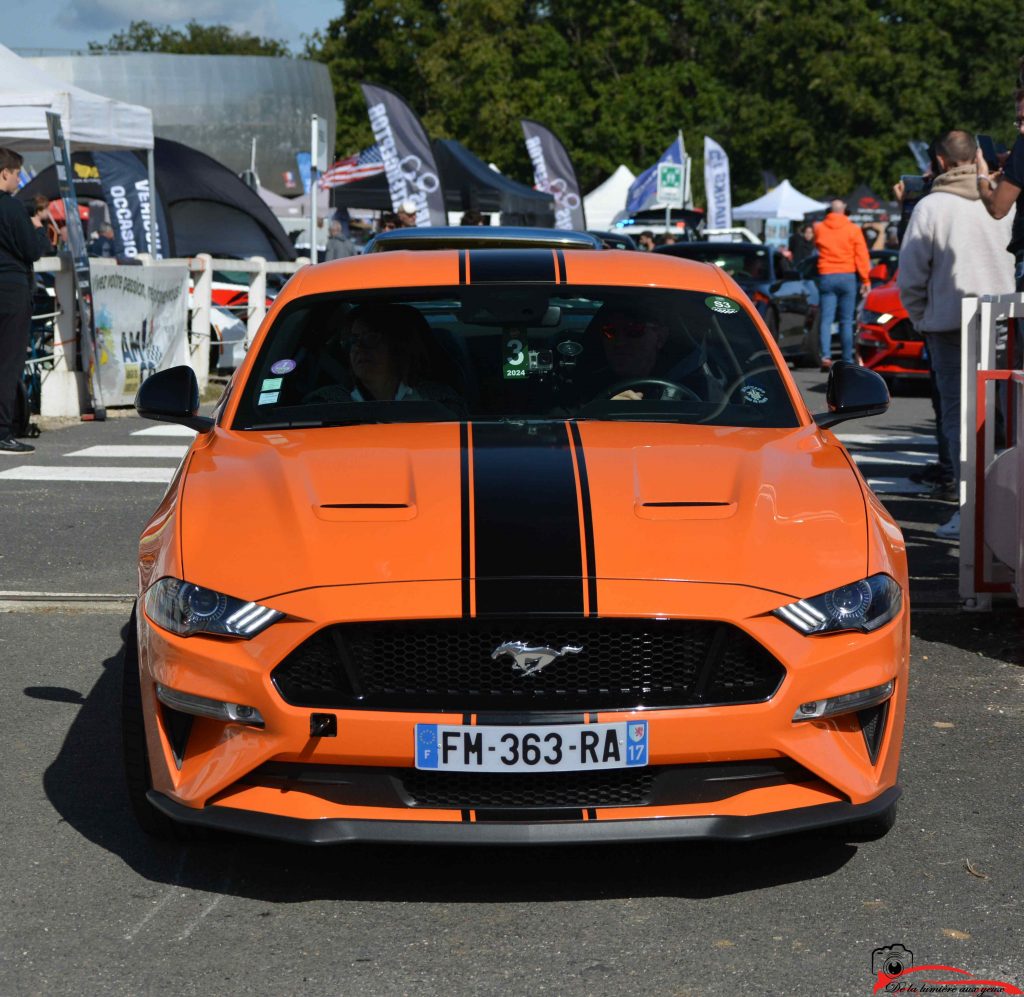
[{"x": 529, "y": 660}]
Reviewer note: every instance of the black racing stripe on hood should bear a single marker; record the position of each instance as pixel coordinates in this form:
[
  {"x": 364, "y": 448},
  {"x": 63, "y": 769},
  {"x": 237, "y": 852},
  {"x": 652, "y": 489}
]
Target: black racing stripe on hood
[
  {"x": 526, "y": 518},
  {"x": 588, "y": 519},
  {"x": 503, "y": 266}
]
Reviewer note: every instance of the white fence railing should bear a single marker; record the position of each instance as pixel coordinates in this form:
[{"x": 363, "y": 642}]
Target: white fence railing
[
  {"x": 61, "y": 385},
  {"x": 991, "y": 511}
]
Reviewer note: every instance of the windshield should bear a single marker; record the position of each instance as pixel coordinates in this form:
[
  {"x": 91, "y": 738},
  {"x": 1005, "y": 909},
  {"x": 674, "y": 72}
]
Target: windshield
[
  {"x": 514, "y": 351},
  {"x": 742, "y": 264}
]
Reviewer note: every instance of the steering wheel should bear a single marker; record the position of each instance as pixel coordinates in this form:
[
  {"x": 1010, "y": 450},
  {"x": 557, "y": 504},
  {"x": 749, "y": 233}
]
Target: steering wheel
[{"x": 656, "y": 382}]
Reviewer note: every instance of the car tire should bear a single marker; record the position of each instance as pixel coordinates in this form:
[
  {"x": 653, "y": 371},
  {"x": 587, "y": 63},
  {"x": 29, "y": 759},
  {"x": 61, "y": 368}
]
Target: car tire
[
  {"x": 869, "y": 829},
  {"x": 135, "y": 755}
]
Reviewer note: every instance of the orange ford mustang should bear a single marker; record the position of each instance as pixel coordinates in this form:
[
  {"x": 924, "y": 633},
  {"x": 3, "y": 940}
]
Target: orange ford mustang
[{"x": 524, "y": 546}]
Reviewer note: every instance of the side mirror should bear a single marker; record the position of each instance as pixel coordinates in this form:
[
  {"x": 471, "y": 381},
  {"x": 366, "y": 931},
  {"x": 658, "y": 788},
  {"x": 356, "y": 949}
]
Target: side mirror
[
  {"x": 172, "y": 395},
  {"x": 852, "y": 393}
]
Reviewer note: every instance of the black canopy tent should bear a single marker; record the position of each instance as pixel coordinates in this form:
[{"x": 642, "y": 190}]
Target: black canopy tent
[
  {"x": 208, "y": 208},
  {"x": 468, "y": 182}
]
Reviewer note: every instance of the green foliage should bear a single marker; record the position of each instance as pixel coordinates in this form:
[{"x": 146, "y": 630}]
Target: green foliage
[
  {"x": 195, "y": 39},
  {"x": 825, "y": 92}
]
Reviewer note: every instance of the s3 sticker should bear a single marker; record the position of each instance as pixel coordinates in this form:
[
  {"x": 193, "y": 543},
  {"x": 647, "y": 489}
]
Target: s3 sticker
[
  {"x": 753, "y": 394},
  {"x": 724, "y": 306},
  {"x": 282, "y": 366}
]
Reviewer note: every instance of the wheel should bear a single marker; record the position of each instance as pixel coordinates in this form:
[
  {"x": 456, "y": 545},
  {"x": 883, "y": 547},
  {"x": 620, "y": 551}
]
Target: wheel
[
  {"x": 869, "y": 829},
  {"x": 135, "y": 755}
]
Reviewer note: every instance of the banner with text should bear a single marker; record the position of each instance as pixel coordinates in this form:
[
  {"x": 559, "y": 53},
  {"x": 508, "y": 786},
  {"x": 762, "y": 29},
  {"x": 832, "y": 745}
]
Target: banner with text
[
  {"x": 141, "y": 325},
  {"x": 717, "y": 185},
  {"x": 553, "y": 173},
  {"x": 126, "y": 190},
  {"x": 408, "y": 158}
]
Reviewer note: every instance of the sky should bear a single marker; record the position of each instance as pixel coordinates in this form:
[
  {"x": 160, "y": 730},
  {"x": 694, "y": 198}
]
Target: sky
[{"x": 57, "y": 26}]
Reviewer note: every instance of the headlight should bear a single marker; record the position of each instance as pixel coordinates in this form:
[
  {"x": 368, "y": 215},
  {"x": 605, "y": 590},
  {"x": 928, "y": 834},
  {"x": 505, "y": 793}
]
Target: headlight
[
  {"x": 187, "y": 609},
  {"x": 865, "y": 605},
  {"x": 875, "y": 318}
]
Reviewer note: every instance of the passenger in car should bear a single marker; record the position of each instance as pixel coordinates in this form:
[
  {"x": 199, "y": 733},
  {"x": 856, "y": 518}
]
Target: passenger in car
[{"x": 389, "y": 359}]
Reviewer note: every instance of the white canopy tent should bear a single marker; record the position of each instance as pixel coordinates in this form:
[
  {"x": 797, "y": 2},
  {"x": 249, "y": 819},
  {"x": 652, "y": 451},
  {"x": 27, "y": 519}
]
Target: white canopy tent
[
  {"x": 784, "y": 201},
  {"x": 608, "y": 199},
  {"x": 89, "y": 121}
]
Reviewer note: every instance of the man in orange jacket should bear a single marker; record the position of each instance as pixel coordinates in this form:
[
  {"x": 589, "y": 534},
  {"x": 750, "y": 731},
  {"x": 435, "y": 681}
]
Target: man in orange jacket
[{"x": 842, "y": 262}]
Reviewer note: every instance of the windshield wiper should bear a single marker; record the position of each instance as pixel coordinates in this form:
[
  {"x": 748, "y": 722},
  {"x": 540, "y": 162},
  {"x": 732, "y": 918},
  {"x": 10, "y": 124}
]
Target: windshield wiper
[{"x": 312, "y": 423}]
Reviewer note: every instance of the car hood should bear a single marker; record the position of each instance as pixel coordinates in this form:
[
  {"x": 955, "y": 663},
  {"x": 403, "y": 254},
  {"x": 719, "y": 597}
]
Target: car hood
[{"x": 274, "y": 512}]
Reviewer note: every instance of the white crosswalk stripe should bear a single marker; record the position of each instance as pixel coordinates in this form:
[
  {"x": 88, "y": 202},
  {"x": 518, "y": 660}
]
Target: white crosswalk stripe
[
  {"x": 165, "y": 429},
  {"x": 881, "y": 456},
  {"x": 131, "y": 451},
  {"x": 42, "y": 472}
]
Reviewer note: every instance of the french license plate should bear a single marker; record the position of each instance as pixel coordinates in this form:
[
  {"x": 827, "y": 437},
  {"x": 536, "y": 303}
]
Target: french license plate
[{"x": 555, "y": 748}]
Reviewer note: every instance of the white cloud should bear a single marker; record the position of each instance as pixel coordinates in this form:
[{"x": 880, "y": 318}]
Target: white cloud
[{"x": 116, "y": 15}]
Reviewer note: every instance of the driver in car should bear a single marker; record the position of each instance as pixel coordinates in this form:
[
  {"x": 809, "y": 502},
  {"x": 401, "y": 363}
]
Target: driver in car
[{"x": 633, "y": 345}]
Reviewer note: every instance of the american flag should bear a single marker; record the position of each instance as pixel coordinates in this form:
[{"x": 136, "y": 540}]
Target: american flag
[{"x": 366, "y": 163}]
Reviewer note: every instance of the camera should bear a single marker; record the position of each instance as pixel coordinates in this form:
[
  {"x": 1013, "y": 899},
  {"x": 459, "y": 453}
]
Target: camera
[{"x": 891, "y": 960}]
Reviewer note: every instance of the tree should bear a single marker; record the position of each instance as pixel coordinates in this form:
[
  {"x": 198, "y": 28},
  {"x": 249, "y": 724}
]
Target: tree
[
  {"x": 195, "y": 39},
  {"x": 825, "y": 92}
]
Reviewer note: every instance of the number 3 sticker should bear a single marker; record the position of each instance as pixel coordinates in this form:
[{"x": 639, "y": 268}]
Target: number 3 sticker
[{"x": 515, "y": 360}]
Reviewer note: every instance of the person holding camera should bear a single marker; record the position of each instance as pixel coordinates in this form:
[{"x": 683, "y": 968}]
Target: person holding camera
[
  {"x": 842, "y": 261},
  {"x": 1002, "y": 189},
  {"x": 951, "y": 249}
]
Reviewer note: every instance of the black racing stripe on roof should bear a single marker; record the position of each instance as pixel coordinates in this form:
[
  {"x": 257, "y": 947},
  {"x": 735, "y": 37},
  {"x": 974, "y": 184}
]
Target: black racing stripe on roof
[
  {"x": 462, "y": 266},
  {"x": 561, "y": 266},
  {"x": 526, "y": 520},
  {"x": 504, "y": 266}
]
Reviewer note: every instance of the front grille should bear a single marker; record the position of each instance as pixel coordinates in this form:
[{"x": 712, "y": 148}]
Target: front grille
[
  {"x": 536, "y": 792},
  {"x": 523, "y": 790},
  {"x": 447, "y": 665}
]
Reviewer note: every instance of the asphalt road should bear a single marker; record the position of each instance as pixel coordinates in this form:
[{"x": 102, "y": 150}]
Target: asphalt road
[{"x": 92, "y": 906}]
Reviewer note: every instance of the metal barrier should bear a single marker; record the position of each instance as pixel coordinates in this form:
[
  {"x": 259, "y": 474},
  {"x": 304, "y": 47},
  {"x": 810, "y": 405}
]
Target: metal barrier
[
  {"x": 62, "y": 387},
  {"x": 991, "y": 511}
]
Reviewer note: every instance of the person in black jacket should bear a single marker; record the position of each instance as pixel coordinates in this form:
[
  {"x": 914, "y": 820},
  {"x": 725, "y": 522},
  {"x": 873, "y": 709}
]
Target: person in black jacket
[{"x": 19, "y": 249}]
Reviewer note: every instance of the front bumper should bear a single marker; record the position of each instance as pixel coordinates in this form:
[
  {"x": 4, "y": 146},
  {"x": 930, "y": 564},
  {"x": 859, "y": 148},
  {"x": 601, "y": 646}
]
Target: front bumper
[{"x": 332, "y": 831}]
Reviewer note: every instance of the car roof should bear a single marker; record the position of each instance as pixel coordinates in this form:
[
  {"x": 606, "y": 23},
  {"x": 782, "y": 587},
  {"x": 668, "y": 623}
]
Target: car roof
[
  {"x": 479, "y": 267},
  {"x": 699, "y": 248},
  {"x": 481, "y": 237}
]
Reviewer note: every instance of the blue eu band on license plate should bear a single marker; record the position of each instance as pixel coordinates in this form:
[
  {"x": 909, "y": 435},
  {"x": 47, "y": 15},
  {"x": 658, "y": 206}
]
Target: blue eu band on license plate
[{"x": 540, "y": 748}]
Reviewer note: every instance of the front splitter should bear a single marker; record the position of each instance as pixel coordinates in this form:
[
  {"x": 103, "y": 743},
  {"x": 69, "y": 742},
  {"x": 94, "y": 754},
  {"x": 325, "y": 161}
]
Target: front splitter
[{"x": 330, "y": 831}]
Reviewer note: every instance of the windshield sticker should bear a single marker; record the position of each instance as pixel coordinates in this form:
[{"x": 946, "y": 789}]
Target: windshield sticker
[
  {"x": 271, "y": 384},
  {"x": 282, "y": 367},
  {"x": 515, "y": 366},
  {"x": 721, "y": 305},
  {"x": 753, "y": 394},
  {"x": 268, "y": 398}
]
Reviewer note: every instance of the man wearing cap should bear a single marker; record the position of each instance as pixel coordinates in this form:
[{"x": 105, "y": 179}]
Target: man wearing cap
[{"x": 407, "y": 214}]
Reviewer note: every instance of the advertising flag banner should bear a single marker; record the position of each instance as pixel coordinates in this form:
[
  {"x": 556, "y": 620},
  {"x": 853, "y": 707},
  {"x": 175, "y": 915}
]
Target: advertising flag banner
[
  {"x": 643, "y": 192},
  {"x": 408, "y": 159},
  {"x": 126, "y": 190},
  {"x": 553, "y": 173},
  {"x": 716, "y": 185},
  {"x": 80, "y": 261},
  {"x": 141, "y": 325}
]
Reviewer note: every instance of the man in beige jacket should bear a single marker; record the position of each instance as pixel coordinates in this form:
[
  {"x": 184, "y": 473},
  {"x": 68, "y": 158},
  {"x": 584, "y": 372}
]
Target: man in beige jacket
[{"x": 951, "y": 249}]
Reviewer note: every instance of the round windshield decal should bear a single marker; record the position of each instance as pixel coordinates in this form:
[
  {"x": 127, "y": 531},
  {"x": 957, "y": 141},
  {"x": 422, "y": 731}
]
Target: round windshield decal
[
  {"x": 753, "y": 394},
  {"x": 282, "y": 367},
  {"x": 721, "y": 305}
]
